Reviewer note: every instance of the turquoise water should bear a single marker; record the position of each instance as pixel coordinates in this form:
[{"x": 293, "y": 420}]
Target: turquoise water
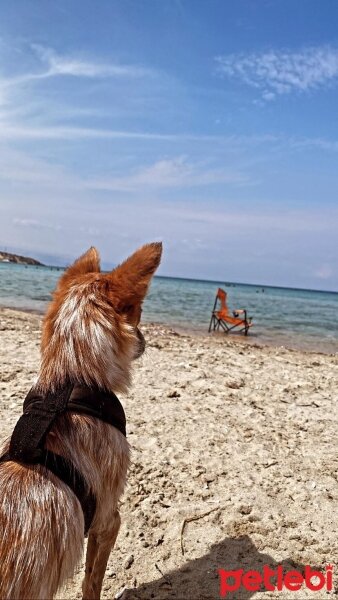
[{"x": 293, "y": 318}]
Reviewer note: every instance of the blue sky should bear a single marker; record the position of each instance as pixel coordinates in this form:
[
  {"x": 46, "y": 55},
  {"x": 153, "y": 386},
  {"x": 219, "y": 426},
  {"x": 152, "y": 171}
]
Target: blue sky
[{"x": 210, "y": 125}]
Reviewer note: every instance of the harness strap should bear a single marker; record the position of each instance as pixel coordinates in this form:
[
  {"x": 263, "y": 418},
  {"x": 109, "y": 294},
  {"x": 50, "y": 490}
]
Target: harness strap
[
  {"x": 30, "y": 431},
  {"x": 29, "y": 434},
  {"x": 100, "y": 404}
]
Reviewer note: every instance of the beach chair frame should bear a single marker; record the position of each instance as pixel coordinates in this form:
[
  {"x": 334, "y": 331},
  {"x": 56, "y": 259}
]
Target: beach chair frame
[{"x": 221, "y": 318}]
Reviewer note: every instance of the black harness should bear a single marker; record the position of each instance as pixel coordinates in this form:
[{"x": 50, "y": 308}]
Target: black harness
[{"x": 39, "y": 413}]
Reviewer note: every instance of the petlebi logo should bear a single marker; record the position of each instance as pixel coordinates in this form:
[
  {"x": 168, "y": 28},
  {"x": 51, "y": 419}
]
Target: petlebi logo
[{"x": 275, "y": 580}]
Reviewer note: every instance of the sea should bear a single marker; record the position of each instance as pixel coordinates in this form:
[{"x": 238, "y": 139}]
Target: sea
[{"x": 293, "y": 318}]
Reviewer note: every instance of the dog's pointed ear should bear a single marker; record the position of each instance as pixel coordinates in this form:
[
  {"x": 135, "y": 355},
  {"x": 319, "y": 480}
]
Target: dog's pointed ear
[
  {"x": 129, "y": 282},
  {"x": 89, "y": 262}
]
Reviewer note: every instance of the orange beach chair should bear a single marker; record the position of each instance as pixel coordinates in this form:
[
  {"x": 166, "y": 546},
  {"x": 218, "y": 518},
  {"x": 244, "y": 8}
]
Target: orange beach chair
[{"x": 221, "y": 317}]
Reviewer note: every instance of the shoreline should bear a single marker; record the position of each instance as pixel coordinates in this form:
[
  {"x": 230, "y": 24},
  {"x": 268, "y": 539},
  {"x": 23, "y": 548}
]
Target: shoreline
[{"x": 234, "y": 338}]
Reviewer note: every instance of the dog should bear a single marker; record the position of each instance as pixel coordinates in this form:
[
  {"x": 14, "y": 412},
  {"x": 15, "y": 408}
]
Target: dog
[{"x": 90, "y": 337}]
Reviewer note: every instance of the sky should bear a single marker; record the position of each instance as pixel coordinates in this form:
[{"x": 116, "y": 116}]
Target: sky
[{"x": 211, "y": 125}]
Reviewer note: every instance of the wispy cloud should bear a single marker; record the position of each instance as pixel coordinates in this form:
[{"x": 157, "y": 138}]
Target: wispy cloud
[
  {"x": 176, "y": 172},
  {"x": 77, "y": 67},
  {"x": 35, "y": 224},
  {"x": 278, "y": 72},
  {"x": 50, "y": 64},
  {"x": 22, "y": 131},
  {"x": 73, "y": 133}
]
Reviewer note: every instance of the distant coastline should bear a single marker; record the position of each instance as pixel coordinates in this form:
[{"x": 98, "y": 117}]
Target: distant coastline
[{"x": 8, "y": 257}]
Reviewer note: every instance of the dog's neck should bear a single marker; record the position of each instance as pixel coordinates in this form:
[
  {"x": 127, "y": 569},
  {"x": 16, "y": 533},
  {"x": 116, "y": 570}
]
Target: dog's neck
[
  {"x": 92, "y": 360},
  {"x": 78, "y": 398}
]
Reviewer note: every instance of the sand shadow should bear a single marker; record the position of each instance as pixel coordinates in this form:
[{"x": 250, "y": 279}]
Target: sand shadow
[{"x": 198, "y": 579}]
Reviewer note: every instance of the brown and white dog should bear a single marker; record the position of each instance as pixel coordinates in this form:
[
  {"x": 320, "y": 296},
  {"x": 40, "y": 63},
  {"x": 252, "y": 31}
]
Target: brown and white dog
[{"x": 90, "y": 336}]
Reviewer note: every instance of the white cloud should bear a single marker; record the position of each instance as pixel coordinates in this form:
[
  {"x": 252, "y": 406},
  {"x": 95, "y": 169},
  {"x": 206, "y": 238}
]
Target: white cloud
[
  {"x": 75, "y": 133},
  {"x": 268, "y": 96},
  {"x": 277, "y": 72},
  {"x": 270, "y": 221},
  {"x": 21, "y": 131},
  {"x": 169, "y": 173},
  {"x": 26, "y": 222},
  {"x": 50, "y": 64},
  {"x": 77, "y": 67},
  {"x": 35, "y": 224}
]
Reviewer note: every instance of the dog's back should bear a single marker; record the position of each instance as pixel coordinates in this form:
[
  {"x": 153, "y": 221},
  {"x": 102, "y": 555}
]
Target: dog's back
[{"x": 90, "y": 337}]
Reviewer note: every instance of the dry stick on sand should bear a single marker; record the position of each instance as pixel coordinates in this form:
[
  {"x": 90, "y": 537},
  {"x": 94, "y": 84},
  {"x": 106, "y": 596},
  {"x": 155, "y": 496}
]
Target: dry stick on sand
[
  {"x": 165, "y": 577},
  {"x": 195, "y": 518}
]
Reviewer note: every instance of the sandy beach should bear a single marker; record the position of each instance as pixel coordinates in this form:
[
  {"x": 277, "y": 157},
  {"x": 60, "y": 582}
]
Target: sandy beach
[{"x": 241, "y": 436}]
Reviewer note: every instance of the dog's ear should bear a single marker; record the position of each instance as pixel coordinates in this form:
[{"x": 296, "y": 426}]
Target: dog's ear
[
  {"x": 89, "y": 262},
  {"x": 128, "y": 283}
]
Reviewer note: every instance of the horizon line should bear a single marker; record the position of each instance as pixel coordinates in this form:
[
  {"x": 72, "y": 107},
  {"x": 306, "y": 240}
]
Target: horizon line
[{"x": 215, "y": 281}]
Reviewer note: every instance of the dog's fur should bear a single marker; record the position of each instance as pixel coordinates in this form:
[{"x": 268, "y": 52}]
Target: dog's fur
[{"x": 89, "y": 335}]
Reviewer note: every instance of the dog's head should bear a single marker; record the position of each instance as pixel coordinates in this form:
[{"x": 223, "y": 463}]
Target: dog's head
[{"x": 90, "y": 332}]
